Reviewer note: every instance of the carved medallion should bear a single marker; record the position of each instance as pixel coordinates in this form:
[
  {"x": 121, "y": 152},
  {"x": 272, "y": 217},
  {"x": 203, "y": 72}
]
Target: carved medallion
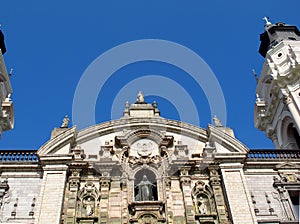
[{"x": 144, "y": 147}]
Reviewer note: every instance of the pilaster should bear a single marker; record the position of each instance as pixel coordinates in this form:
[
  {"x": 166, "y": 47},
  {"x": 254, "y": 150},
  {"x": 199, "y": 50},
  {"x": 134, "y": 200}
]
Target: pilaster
[
  {"x": 104, "y": 191},
  {"x": 52, "y": 194},
  {"x": 215, "y": 183},
  {"x": 239, "y": 199},
  {"x": 185, "y": 182},
  {"x": 178, "y": 204},
  {"x": 124, "y": 200},
  {"x": 71, "y": 204},
  {"x": 115, "y": 204},
  {"x": 168, "y": 198}
]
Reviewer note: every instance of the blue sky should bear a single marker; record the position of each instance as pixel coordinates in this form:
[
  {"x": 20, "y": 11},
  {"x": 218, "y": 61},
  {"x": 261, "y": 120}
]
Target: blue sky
[{"x": 50, "y": 44}]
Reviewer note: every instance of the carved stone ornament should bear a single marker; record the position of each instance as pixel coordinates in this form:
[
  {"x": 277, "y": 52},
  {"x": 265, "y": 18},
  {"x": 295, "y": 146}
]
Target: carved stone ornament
[
  {"x": 88, "y": 198},
  {"x": 144, "y": 160},
  {"x": 286, "y": 99},
  {"x": 106, "y": 151},
  {"x": 203, "y": 200},
  {"x": 147, "y": 212},
  {"x": 78, "y": 153},
  {"x": 4, "y": 196},
  {"x": 132, "y": 136},
  {"x": 148, "y": 219},
  {"x": 287, "y": 178},
  {"x": 181, "y": 151},
  {"x": 185, "y": 180}
]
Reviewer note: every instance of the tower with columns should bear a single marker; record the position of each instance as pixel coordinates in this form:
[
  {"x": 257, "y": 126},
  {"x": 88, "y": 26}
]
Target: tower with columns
[{"x": 277, "y": 107}]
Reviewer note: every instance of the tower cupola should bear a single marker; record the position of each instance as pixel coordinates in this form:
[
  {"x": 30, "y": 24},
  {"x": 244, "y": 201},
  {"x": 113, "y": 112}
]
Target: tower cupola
[{"x": 274, "y": 33}]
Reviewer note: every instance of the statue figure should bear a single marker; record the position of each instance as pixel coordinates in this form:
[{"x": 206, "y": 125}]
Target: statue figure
[
  {"x": 202, "y": 207},
  {"x": 140, "y": 97},
  {"x": 89, "y": 206},
  {"x": 65, "y": 123},
  {"x": 145, "y": 190},
  {"x": 217, "y": 122}
]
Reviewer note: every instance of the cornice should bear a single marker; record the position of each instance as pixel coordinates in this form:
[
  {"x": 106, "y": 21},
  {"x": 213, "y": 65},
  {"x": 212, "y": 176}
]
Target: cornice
[
  {"x": 131, "y": 123},
  {"x": 58, "y": 141},
  {"x": 226, "y": 140}
]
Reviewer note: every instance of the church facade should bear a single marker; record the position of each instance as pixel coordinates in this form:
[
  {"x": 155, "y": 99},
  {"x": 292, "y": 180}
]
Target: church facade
[{"x": 143, "y": 168}]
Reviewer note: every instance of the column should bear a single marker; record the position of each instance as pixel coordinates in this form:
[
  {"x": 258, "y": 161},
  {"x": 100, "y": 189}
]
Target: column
[{"x": 292, "y": 108}]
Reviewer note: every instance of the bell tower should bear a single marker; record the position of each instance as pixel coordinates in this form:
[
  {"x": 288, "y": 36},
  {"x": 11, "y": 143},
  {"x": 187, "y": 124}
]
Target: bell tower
[{"x": 277, "y": 106}]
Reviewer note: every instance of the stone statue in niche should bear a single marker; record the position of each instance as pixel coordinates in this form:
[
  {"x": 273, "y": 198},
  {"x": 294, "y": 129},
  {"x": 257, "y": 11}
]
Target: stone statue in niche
[
  {"x": 145, "y": 190},
  {"x": 203, "y": 206},
  {"x": 89, "y": 206}
]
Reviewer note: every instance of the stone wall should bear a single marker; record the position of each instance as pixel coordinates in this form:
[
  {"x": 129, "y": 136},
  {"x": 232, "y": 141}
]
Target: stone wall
[
  {"x": 20, "y": 201},
  {"x": 241, "y": 208},
  {"x": 262, "y": 194}
]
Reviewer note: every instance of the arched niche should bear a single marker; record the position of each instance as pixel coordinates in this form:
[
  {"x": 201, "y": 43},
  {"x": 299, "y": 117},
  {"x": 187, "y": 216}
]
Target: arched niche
[
  {"x": 203, "y": 199},
  {"x": 88, "y": 199},
  {"x": 147, "y": 218},
  {"x": 145, "y": 185}
]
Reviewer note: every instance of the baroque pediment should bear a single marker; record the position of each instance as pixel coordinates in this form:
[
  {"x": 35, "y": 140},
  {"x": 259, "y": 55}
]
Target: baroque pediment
[{"x": 287, "y": 166}]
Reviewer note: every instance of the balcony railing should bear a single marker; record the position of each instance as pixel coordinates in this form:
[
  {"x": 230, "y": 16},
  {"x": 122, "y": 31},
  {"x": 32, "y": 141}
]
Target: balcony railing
[
  {"x": 273, "y": 154},
  {"x": 19, "y": 156}
]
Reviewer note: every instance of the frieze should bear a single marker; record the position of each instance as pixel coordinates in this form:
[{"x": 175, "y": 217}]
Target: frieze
[{"x": 144, "y": 160}]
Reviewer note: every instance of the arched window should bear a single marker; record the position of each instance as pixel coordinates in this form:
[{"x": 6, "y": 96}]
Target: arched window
[
  {"x": 290, "y": 138},
  {"x": 145, "y": 186}
]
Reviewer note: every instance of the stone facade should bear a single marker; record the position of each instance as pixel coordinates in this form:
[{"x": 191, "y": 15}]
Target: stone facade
[
  {"x": 147, "y": 169},
  {"x": 143, "y": 168}
]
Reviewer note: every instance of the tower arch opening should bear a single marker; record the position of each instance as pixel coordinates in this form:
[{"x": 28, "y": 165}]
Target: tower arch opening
[{"x": 290, "y": 138}]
